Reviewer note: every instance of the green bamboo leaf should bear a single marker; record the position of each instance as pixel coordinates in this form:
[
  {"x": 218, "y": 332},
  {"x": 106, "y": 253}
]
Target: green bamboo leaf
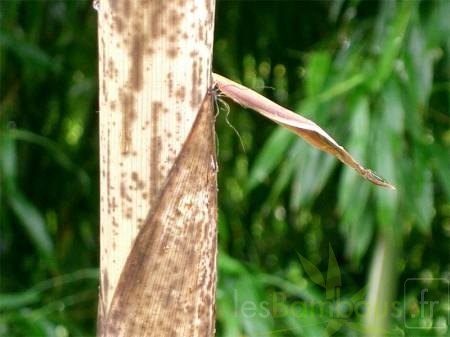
[
  {"x": 357, "y": 144},
  {"x": 386, "y": 202},
  {"x": 419, "y": 61},
  {"x": 342, "y": 87},
  {"x": 283, "y": 178},
  {"x": 226, "y": 315},
  {"x": 436, "y": 27},
  {"x": 28, "y": 52},
  {"x": 18, "y": 300},
  {"x": 394, "y": 112},
  {"x": 32, "y": 221},
  {"x": 310, "y": 177},
  {"x": 8, "y": 162},
  {"x": 269, "y": 157},
  {"x": 52, "y": 148},
  {"x": 382, "y": 276},
  {"x": 299, "y": 178},
  {"x": 27, "y": 214},
  {"x": 356, "y": 225},
  {"x": 386, "y": 210},
  {"x": 307, "y": 294},
  {"x": 392, "y": 41},
  {"x": 27, "y": 323},
  {"x": 335, "y": 10},
  {"x": 353, "y": 196},
  {"x": 254, "y": 311},
  {"x": 319, "y": 64},
  {"x": 229, "y": 266},
  {"x": 249, "y": 305},
  {"x": 418, "y": 185},
  {"x": 360, "y": 235}
]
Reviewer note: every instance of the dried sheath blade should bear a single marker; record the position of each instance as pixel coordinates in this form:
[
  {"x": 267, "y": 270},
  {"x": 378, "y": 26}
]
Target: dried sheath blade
[{"x": 302, "y": 126}]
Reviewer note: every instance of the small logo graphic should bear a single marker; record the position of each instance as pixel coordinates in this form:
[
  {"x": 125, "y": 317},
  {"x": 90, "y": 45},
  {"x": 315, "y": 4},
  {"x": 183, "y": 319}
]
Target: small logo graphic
[
  {"x": 425, "y": 305},
  {"x": 423, "y": 311},
  {"x": 346, "y": 308}
]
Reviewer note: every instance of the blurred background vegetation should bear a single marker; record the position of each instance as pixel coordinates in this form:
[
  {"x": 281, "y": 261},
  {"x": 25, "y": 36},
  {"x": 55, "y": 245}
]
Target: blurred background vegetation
[{"x": 375, "y": 75}]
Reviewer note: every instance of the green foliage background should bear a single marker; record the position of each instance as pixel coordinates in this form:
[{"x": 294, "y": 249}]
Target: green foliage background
[{"x": 376, "y": 75}]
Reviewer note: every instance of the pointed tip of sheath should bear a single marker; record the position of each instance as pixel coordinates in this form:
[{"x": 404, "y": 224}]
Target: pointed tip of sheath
[{"x": 377, "y": 180}]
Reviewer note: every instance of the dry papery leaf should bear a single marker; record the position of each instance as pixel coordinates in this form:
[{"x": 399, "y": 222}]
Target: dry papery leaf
[{"x": 302, "y": 126}]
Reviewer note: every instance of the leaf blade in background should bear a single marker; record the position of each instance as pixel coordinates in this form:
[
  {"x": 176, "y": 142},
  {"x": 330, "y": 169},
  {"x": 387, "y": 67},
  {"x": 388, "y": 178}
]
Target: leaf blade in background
[
  {"x": 27, "y": 214},
  {"x": 29, "y": 52},
  {"x": 282, "y": 179},
  {"x": 353, "y": 197},
  {"x": 32, "y": 221},
  {"x": 319, "y": 63},
  {"x": 269, "y": 157},
  {"x": 246, "y": 305},
  {"x": 391, "y": 41},
  {"x": 420, "y": 190},
  {"x": 386, "y": 202},
  {"x": 357, "y": 144},
  {"x": 389, "y": 118},
  {"x": 52, "y": 148},
  {"x": 18, "y": 300},
  {"x": 304, "y": 189},
  {"x": 8, "y": 162}
]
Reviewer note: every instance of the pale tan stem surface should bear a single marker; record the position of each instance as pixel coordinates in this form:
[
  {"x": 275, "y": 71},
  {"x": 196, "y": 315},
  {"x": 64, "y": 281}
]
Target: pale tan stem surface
[{"x": 154, "y": 70}]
